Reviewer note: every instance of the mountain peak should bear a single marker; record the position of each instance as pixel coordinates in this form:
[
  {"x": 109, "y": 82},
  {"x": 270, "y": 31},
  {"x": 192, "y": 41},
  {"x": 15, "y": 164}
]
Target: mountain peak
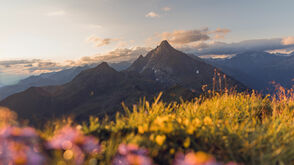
[
  {"x": 104, "y": 64},
  {"x": 102, "y": 70},
  {"x": 165, "y": 45},
  {"x": 164, "y": 42},
  {"x": 141, "y": 56},
  {"x": 164, "y": 49},
  {"x": 103, "y": 67}
]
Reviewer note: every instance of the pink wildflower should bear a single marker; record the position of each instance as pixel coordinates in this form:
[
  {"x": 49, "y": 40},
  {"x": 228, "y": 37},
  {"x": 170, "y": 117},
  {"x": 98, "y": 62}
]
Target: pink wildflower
[{"x": 131, "y": 155}]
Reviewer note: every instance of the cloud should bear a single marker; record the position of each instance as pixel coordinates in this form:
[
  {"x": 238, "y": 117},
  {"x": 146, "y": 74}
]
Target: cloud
[
  {"x": 288, "y": 41},
  {"x": 122, "y": 44},
  {"x": 219, "y": 48},
  {"x": 192, "y": 37},
  {"x": 185, "y": 36},
  {"x": 34, "y": 66},
  {"x": 56, "y": 13},
  {"x": 12, "y": 63},
  {"x": 286, "y": 51},
  {"x": 193, "y": 46},
  {"x": 221, "y": 30},
  {"x": 205, "y": 42},
  {"x": 220, "y": 33},
  {"x": 117, "y": 55},
  {"x": 152, "y": 15},
  {"x": 37, "y": 66},
  {"x": 217, "y": 56},
  {"x": 14, "y": 70},
  {"x": 99, "y": 42},
  {"x": 166, "y": 9}
]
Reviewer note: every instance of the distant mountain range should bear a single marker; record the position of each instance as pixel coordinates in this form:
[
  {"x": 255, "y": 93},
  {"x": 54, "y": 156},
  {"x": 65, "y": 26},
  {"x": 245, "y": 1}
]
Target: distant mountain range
[
  {"x": 258, "y": 70},
  {"x": 100, "y": 90},
  {"x": 52, "y": 78}
]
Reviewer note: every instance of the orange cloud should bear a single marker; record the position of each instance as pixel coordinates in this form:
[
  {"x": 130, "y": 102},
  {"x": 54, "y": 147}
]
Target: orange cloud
[
  {"x": 282, "y": 51},
  {"x": 166, "y": 9},
  {"x": 117, "y": 55},
  {"x": 220, "y": 33},
  {"x": 34, "y": 66},
  {"x": 288, "y": 40},
  {"x": 185, "y": 36},
  {"x": 37, "y": 66},
  {"x": 99, "y": 42},
  {"x": 220, "y": 30},
  {"x": 195, "y": 35}
]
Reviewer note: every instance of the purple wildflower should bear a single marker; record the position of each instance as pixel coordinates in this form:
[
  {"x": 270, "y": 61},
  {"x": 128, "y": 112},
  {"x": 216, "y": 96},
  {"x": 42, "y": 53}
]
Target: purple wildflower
[
  {"x": 131, "y": 155},
  {"x": 20, "y": 146},
  {"x": 74, "y": 143}
]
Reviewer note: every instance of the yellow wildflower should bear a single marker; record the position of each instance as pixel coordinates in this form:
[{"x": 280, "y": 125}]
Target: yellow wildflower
[
  {"x": 160, "y": 120},
  {"x": 187, "y": 142},
  {"x": 207, "y": 121},
  {"x": 141, "y": 129},
  {"x": 160, "y": 139},
  {"x": 151, "y": 137},
  {"x": 196, "y": 122},
  {"x": 172, "y": 151},
  {"x": 186, "y": 122},
  {"x": 190, "y": 129}
]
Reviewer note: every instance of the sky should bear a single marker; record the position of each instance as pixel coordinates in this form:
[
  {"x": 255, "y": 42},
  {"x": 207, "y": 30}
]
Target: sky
[{"x": 50, "y": 35}]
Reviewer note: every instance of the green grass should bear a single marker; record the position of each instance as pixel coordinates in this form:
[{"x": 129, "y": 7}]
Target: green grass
[
  {"x": 245, "y": 128},
  {"x": 240, "y": 127}
]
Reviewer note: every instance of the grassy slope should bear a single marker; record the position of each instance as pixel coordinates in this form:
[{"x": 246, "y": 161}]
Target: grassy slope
[{"x": 233, "y": 127}]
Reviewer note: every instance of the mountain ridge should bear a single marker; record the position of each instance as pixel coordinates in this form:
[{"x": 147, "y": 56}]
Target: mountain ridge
[
  {"x": 100, "y": 90},
  {"x": 52, "y": 78}
]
